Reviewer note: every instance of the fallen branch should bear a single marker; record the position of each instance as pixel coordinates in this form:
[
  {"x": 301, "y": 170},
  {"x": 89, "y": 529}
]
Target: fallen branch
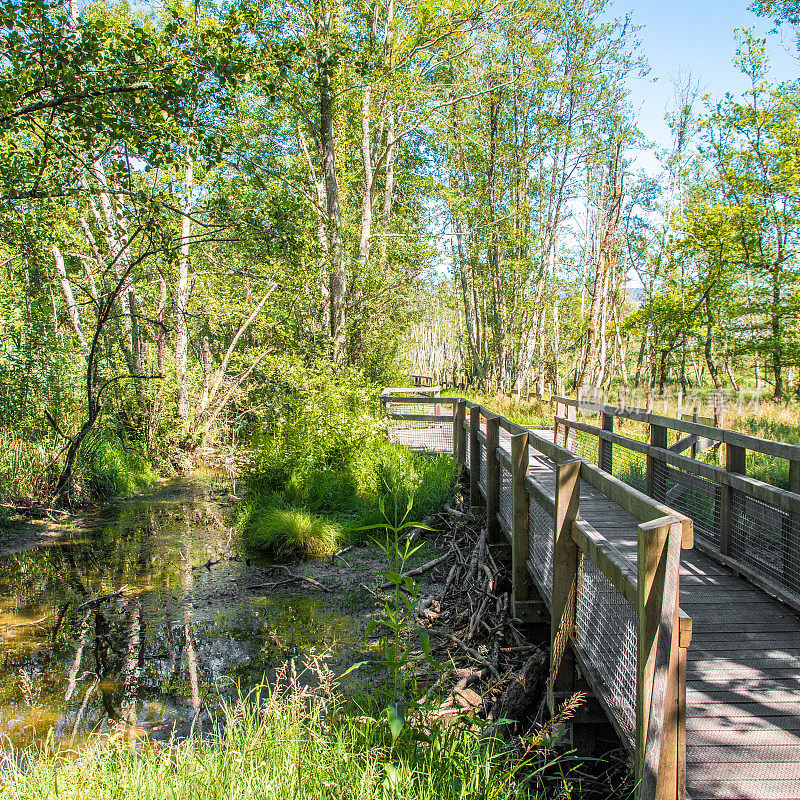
[
  {"x": 102, "y": 598},
  {"x": 473, "y": 654},
  {"x": 311, "y": 581},
  {"x": 418, "y": 570},
  {"x": 27, "y": 624},
  {"x": 270, "y": 585}
]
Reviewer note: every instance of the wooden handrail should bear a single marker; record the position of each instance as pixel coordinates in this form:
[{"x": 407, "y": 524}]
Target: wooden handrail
[
  {"x": 607, "y": 559},
  {"x": 637, "y": 503},
  {"x": 759, "y": 490},
  {"x": 790, "y": 452},
  {"x": 417, "y": 399},
  {"x": 410, "y": 389}
]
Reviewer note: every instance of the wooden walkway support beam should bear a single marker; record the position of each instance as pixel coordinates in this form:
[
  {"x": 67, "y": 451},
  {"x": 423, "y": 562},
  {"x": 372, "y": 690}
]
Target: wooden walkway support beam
[
  {"x": 475, "y": 494},
  {"x": 493, "y": 532},
  {"x": 522, "y": 589}
]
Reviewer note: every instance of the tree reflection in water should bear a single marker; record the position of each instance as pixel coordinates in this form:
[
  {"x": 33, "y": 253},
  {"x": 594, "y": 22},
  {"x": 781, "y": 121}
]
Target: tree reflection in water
[{"x": 125, "y": 627}]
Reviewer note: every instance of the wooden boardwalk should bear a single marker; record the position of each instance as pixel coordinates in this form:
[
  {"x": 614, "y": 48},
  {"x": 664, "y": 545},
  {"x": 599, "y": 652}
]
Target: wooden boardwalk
[{"x": 742, "y": 667}]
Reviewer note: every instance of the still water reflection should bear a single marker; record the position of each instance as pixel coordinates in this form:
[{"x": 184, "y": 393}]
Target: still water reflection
[{"x": 141, "y": 622}]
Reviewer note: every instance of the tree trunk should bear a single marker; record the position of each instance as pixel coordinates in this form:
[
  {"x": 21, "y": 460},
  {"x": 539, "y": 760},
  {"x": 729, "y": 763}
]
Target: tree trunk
[
  {"x": 337, "y": 283},
  {"x": 777, "y": 333},
  {"x": 182, "y": 300},
  {"x": 712, "y": 367}
]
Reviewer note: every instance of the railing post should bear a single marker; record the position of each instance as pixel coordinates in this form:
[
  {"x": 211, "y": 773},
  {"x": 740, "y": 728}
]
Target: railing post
[
  {"x": 493, "y": 533},
  {"x": 790, "y": 533},
  {"x": 459, "y": 444},
  {"x": 569, "y": 433},
  {"x": 565, "y": 583},
  {"x": 735, "y": 462},
  {"x": 656, "y": 468},
  {"x": 520, "y": 541},
  {"x": 559, "y": 407},
  {"x": 604, "y": 448},
  {"x": 684, "y": 640},
  {"x": 651, "y": 565},
  {"x": 660, "y": 683},
  {"x": 475, "y": 499}
]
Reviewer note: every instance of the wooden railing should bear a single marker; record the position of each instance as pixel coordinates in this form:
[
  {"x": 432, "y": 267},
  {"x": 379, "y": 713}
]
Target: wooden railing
[
  {"x": 614, "y": 624},
  {"x": 746, "y": 524}
]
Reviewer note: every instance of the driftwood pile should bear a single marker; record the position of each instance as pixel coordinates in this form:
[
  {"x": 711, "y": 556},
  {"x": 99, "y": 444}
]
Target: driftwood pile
[{"x": 494, "y": 668}]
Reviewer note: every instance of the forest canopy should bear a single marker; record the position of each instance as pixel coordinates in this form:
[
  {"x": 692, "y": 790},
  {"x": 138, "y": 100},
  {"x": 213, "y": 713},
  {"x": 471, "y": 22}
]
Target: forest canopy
[{"x": 206, "y": 207}]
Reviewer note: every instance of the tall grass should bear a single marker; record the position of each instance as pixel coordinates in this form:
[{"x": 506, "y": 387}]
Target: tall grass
[
  {"x": 531, "y": 412},
  {"x": 24, "y": 473},
  {"x": 275, "y": 747},
  {"x": 111, "y": 467},
  {"x": 107, "y": 466},
  {"x": 766, "y": 419}
]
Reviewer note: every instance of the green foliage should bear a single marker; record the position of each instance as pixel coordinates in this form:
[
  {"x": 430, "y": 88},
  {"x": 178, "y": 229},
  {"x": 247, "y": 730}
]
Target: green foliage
[
  {"x": 395, "y": 646},
  {"x": 291, "y": 532},
  {"x": 108, "y": 466},
  {"x": 113, "y": 468},
  {"x": 318, "y": 425},
  {"x": 23, "y": 467}
]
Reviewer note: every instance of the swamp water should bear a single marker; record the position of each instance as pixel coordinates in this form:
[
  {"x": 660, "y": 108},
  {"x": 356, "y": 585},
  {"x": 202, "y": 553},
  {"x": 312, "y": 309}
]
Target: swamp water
[{"x": 140, "y": 622}]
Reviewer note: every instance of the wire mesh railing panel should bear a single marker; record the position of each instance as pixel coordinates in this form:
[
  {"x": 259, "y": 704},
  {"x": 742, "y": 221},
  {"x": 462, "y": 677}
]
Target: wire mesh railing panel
[
  {"x": 411, "y": 407},
  {"x": 482, "y": 473},
  {"x": 584, "y": 445},
  {"x": 425, "y": 437},
  {"x": 697, "y": 497},
  {"x": 629, "y": 466},
  {"x": 766, "y": 539},
  {"x": 605, "y": 629},
  {"x": 467, "y": 446},
  {"x": 633, "y": 429},
  {"x": 506, "y": 492},
  {"x": 540, "y": 548}
]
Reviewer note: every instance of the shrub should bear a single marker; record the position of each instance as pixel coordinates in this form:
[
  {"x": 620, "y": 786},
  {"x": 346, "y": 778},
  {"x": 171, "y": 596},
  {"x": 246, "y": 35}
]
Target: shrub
[{"x": 112, "y": 468}]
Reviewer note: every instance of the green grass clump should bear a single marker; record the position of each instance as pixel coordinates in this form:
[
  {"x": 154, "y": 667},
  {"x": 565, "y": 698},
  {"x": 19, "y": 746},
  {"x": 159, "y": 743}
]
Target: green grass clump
[
  {"x": 114, "y": 469},
  {"x": 531, "y": 412},
  {"x": 291, "y": 532}
]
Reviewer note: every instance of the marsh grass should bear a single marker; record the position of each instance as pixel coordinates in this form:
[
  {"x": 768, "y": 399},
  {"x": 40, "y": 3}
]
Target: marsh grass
[
  {"x": 107, "y": 466},
  {"x": 292, "y": 532},
  {"x": 531, "y": 412},
  {"x": 766, "y": 419},
  {"x": 283, "y": 743},
  {"x": 111, "y": 467}
]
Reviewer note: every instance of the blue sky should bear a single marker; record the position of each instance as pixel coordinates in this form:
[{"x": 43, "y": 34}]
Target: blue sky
[{"x": 697, "y": 36}]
